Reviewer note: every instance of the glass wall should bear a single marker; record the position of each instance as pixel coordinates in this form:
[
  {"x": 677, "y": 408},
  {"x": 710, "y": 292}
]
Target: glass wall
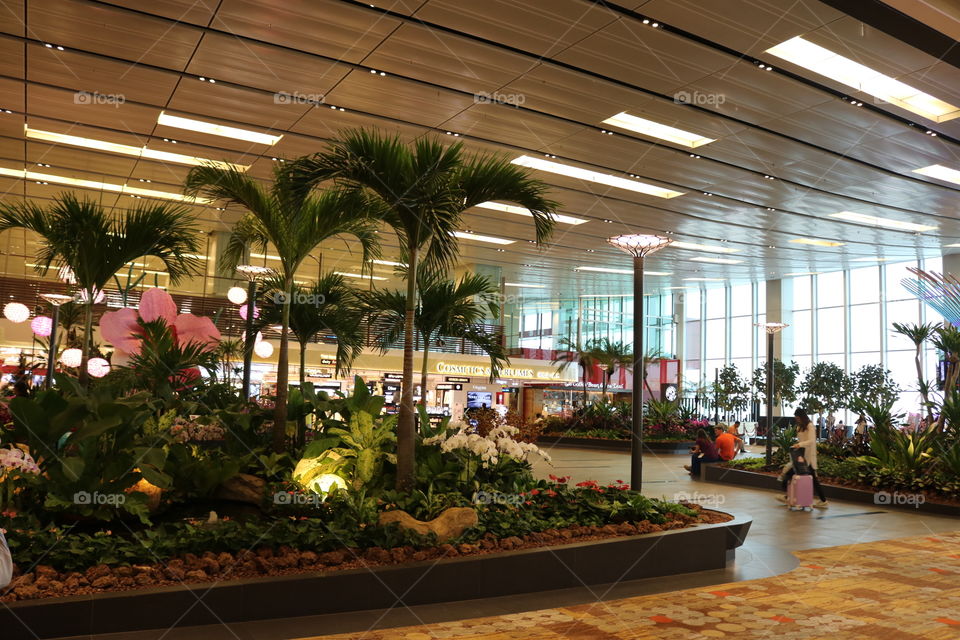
[
  {"x": 542, "y": 323},
  {"x": 844, "y": 317}
]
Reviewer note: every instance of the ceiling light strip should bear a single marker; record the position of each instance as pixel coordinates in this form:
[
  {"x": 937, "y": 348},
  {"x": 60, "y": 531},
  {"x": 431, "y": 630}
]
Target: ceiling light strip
[
  {"x": 595, "y": 176},
  {"x": 23, "y": 174}
]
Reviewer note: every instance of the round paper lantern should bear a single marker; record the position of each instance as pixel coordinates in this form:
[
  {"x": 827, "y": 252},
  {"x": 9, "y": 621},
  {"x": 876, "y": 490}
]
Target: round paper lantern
[
  {"x": 16, "y": 312},
  {"x": 42, "y": 326},
  {"x": 328, "y": 483},
  {"x": 237, "y": 295},
  {"x": 263, "y": 349},
  {"x": 98, "y": 367},
  {"x": 243, "y": 312},
  {"x": 71, "y": 357}
]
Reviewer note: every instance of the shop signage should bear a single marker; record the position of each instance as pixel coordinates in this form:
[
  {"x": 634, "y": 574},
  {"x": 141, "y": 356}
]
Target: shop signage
[
  {"x": 508, "y": 372},
  {"x": 329, "y": 361},
  {"x": 457, "y": 379},
  {"x": 393, "y": 376},
  {"x": 449, "y": 387}
]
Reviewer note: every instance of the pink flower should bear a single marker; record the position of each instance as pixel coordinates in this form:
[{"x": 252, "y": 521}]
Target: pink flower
[
  {"x": 156, "y": 303},
  {"x": 120, "y": 329}
]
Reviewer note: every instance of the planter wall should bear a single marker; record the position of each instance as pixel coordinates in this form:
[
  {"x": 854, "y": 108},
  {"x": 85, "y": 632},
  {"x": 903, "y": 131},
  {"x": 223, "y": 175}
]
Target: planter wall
[
  {"x": 653, "y": 446},
  {"x": 726, "y": 475},
  {"x": 699, "y": 548}
]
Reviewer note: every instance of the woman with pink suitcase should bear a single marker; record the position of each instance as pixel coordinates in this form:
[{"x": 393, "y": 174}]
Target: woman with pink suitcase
[{"x": 800, "y": 480}]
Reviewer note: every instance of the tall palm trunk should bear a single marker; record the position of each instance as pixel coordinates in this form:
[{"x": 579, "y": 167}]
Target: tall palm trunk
[
  {"x": 302, "y": 420},
  {"x": 423, "y": 370},
  {"x": 87, "y": 339},
  {"x": 923, "y": 391},
  {"x": 283, "y": 374},
  {"x": 406, "y": 428}
]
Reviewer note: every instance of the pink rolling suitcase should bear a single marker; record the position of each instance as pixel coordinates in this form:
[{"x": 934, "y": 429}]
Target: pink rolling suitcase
[{"x": 800, "y": 492}]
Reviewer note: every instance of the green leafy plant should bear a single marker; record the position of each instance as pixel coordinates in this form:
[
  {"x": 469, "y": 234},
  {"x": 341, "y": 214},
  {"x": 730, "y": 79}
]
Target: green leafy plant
[
  {"x": 872, "y": 384},
  {"x": 825, "y": 388},
  {"x": 918, "y": 334},
  {"x": 784, "y": 382},
  {"x": 731, "y": 390}
]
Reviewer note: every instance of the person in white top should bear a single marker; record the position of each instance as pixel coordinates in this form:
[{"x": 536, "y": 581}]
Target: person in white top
[
  {"x": 807, "y": 440},
  {"x": 6, "y": 562}
]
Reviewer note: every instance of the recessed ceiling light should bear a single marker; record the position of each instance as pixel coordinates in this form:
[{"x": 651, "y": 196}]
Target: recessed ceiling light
[
  {"x": 388, "y": 263},
  {"x": 623, "y": 271},
  {"x": 821, "y": 60},
  {"x": 523, "y": 211},
  {"x": 940, "y": 172},
  {"x": 264, "y": 256},
  {"x": 716, "y": 260},
  {"x": 817, "y": 243},
  {"x": 656, "y": 130},
  {"x": 463, "y": 235},
  {"x": 696, "y": 246},
  {"x": 358, "y": 275},
  {"x": 595, "y": 176},
  {"x": 705, "y": 279},
  {"x": 524, "y": 286},
  {"x": 875, "y": 221},
  {"x": 43, "y": 164},
  {"x": 98, "y": 186},
  {"x": 125, "y": 149},
  {"x": 217, "y": 129}
]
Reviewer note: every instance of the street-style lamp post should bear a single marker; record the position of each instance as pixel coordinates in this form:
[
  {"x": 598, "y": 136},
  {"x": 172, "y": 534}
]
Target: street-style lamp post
[
  {"x": 639, "y": 246},
  {"x": 772, "y": 329},
  {"x": 55, "y": 300},
  {"x": 251, "y": 272}
]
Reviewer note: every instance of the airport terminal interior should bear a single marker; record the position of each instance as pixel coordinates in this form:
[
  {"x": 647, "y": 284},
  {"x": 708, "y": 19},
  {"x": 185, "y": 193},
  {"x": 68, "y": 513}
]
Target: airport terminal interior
[{"x": 483, "y": 319}]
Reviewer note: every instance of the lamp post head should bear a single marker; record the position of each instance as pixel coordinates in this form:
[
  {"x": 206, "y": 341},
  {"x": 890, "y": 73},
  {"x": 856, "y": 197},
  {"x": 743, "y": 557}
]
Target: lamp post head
[
  {"x": 772, "y": 327},
  {"x": 637, "y": 244},
  {"x": 56, "y": 299},
  {"x": 252, "y": 271}
]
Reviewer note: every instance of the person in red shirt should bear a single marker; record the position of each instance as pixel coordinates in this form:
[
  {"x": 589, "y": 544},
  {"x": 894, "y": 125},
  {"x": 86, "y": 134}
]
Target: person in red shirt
[
  {"x": 727, "y": 444},
  {"x": 703, "y": 451}
]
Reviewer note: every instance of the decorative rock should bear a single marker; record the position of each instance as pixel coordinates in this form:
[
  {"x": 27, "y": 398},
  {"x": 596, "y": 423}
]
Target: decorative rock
[
  {"x": 332, "y": 558},
  {"x": 104, "y": 582},
  {"x": 448, "y": 525},
  {"x": 242, "y": 487}
]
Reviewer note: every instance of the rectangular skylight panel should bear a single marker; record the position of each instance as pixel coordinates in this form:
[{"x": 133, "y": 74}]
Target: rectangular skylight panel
[
  {"x": 825, "y": 62},
  {"x": 653, "y": 129},
  {"x": 595, "y": 176}
]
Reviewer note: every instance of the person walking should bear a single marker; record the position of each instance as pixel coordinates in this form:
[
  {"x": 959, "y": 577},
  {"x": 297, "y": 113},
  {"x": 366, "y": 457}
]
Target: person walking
[{"x": 807, "y": 440}]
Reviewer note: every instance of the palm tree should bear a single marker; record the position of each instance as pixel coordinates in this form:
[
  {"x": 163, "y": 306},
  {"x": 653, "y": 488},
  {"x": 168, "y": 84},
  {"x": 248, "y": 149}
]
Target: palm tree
[
  {"x": 80, "y": 234},
  {"x": 289, "y": 217},
  {"x": 329, "y": 306},
  {"x": 918, "y": 334},
  {"x": 585, "y": 355},
  {"x": 446, "y": 308},
  {"x": 611, "y": 355},
  {"x": 422, "y": 192}
]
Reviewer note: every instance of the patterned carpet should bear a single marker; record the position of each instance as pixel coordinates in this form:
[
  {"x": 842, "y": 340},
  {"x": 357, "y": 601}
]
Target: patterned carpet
[{"x": 894, "y": 589}]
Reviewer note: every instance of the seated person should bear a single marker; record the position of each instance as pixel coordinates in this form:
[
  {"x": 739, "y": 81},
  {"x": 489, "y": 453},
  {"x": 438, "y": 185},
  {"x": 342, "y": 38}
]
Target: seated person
[
  {"x": 727, "y": 444},
  {"x": 703, "y": 451}
]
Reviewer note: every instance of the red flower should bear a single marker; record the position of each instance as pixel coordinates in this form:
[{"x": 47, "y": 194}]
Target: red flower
[
  {"x": 535, "y": 492},
  {"x": 551, "y": 493}
]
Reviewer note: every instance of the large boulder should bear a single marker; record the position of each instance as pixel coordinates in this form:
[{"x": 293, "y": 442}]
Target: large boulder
[
  {"x": 243, "y": 487},
  {"x": 448, "y": 525}
]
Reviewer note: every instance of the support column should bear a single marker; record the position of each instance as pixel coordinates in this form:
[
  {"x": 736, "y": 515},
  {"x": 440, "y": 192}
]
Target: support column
[
  {"x": 220, "y": 280},
  {"x": 780, "y": 309}
]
